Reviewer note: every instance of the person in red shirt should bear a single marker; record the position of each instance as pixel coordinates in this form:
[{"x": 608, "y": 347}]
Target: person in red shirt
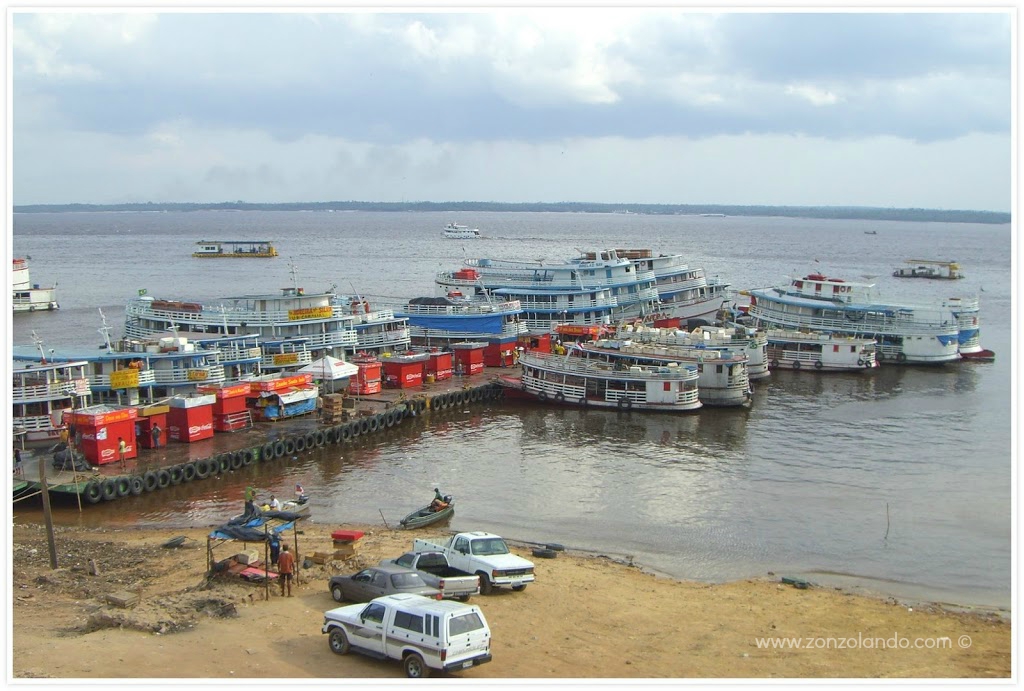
[{"x": 285, "y": 569}]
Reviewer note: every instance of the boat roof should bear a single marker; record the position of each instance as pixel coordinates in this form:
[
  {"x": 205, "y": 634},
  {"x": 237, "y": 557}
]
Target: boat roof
[
  {"x": 234, "y": 242},
  {"x": 26, "y": 366},
  {"x": 66, "y": 355}
]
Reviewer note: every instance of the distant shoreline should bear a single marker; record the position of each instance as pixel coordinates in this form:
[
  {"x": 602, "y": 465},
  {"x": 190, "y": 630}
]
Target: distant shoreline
[{"x": 700, "y": 210}]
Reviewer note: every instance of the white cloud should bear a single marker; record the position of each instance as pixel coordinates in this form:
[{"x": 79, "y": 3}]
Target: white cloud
[{"x": 813, "y": 94}]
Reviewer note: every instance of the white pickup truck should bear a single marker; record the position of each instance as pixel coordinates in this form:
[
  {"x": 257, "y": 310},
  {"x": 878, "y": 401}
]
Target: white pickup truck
[
  {"x": 424, "y": 634},
  {"x": 487, "y": 556},
  {"x": 435, "y": 571}
]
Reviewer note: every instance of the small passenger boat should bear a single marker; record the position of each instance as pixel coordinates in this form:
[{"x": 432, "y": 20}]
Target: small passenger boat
[
  {"x": 924, "y": 268},
  {"x": 428, "y": 516},
  {"x": 247, "y": 249},
  {"x": 457, "y": 231},
  {"x": 819, "y": 352}
]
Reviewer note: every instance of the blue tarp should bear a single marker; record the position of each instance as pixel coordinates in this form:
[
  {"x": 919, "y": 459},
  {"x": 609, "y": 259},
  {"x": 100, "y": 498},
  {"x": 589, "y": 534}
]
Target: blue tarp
[{"x": 472, "y": 324}]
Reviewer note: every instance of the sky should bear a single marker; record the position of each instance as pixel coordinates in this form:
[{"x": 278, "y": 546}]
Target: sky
[{"x": 661, "y": 105}]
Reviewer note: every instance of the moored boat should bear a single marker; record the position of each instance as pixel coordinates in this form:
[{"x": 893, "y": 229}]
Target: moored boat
[
  {"x": 924, "y": 268},
  {"x": 457, "y": 231},
  {"x": 910, "y": 334},
  {"x": 745, "y": 340},
  {"x": 428, "y": 515},
  {"x": 42, "y": 392},
  {"x": 580, "y": 379},
  {"x": 819, "y": 352},
  {"x": 28, "y": 296}
]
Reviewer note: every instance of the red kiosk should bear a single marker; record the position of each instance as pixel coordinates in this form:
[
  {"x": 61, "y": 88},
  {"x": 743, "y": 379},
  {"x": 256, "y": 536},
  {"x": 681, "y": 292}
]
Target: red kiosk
[
  {"x": 229, "y": 407},
  {"x": 404, "y": 371},
  {"x": 190, "y": 418},
  {"x": 438, "y": 365},
  {"x": 367, "y": 379},
  {"x": 149, "y": 417},
  {"x": 469, "y": 357},
  {"x": 100, "y": 427}
]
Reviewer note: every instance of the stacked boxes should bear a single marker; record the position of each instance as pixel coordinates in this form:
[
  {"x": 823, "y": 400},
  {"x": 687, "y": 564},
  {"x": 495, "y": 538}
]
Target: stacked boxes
[
  {"x": 333, "y": 411},
  {"x": 346, "y": 542}
]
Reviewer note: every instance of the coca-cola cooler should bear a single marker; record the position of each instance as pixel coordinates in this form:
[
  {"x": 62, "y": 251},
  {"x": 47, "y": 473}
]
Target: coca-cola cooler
[
  {"x": 190, "y": 418},
  {"x": 100, "y": 427}
]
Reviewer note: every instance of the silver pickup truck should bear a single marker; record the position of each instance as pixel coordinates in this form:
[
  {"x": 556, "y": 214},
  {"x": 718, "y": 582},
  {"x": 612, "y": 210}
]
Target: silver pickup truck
[{"x": 434, "y": 569}]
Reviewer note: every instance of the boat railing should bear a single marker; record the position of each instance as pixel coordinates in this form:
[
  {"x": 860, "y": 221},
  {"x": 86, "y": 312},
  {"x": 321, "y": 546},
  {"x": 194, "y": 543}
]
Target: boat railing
[
  {"x": 178, "y": 376},
  {"x": 463, "y": 308},
  {"x": 375, "y": 339},
  {"x": 147, "y": 377},
  {"x": 584, "y": 365},
  {"x": 561, "y": 302},
  {"x": 50, "y": 391},
  {"x": 226, "y": 314},
  {"x": 286, "y": 359},
  {"x": 34, "y": 423},
  {"x": 895, "y": 324},
  {"x": 240, "y": 354}
]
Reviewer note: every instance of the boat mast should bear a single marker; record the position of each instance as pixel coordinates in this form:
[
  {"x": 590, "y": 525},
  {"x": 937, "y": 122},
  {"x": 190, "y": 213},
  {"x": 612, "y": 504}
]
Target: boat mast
[{"x": 105, "y": 331}]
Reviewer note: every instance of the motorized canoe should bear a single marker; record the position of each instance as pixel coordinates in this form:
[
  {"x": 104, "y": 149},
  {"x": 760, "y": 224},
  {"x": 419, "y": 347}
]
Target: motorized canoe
[{"x": 428, "y": 516}]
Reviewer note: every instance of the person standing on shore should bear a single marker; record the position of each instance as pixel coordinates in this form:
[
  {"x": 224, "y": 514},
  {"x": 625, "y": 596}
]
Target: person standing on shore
[
  {"x": 122, "y": 450},
  {"x": 285, "y": 568},
  {"x": 156, "y": 435}
]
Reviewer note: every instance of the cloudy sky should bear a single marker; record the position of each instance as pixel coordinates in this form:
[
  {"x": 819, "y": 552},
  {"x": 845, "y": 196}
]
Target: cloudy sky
[{"x": 661, "y": 105}]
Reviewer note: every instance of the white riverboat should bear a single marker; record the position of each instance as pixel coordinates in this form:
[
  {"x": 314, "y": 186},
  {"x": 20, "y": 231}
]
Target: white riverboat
[
  {"x": 723, "y": 379},
  {"x": 457, "y": 231},
  {"x": 577, "y": 379},
  {"x": 685, "y": 292},
  {"x": 924, "y": 268},
  {"x": 908, "y": 334},
  {"x": 602, "y": 290},
  {"x": 42, "y": 392},
  {"x": 819, "y": 352},
  {"x": 737, "y": 338},
  {"x": 28, "y": 296}
]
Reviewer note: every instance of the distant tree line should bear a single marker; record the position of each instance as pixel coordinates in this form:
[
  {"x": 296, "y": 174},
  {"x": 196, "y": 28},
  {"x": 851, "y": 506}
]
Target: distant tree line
[{"x": 838, "y": 212}]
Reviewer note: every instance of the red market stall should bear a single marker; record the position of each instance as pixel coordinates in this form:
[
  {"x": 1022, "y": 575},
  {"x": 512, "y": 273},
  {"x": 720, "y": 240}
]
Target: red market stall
[
  {"x": 500, "y": 353},
  {"x": 278, "y": 396},
  {"x": 229, "y": 407},
  {"x": 100, "y": 427},
  {"x": 190, "y": 418},
  {"x": 367, "y": 379},
  {"x": 404, "y": 371},
  {"x": 149, "y": 417},
  {"x": 438, "y": 365},
  {"x": 469, "y": 357}
]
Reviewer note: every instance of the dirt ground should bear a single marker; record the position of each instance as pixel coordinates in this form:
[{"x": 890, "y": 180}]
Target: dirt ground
[{"x": 586, "y": 616}]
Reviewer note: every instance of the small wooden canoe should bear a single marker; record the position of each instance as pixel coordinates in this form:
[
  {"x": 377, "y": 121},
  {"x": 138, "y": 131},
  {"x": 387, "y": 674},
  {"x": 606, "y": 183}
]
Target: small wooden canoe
[{"x": 427, "y": 516}]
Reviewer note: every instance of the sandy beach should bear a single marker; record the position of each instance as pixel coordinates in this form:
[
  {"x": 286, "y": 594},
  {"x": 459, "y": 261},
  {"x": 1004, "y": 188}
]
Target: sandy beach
[{"x": 586, "y": 616}]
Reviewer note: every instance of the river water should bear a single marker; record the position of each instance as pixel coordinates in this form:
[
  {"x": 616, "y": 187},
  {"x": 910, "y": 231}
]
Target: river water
[{"x": 897, "y": 482}]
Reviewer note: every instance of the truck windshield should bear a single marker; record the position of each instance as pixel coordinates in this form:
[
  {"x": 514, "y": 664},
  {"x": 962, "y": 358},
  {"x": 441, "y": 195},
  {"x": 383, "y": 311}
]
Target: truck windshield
[
  {"x": 490, "y": 545},
  {"x": 464, "y": 623}
]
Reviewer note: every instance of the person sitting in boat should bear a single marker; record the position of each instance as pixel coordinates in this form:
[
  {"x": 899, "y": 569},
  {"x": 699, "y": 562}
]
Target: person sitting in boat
[
  {"x": 300, "y": 495},
  {"x": 439, "y": 501},
  {"x": 274, "y": 504}
]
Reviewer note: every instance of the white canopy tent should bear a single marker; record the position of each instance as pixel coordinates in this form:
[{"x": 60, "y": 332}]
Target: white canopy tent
[{"x": 330, "y": 369}]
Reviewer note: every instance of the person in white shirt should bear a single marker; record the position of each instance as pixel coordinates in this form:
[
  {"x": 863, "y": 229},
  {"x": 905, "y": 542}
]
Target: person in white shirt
[{"x": 275, "y": 505}]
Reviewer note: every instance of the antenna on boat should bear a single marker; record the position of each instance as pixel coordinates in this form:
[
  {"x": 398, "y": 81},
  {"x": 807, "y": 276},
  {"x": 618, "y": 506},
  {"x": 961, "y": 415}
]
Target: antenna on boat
[
  {"x": 105, "y": 331},
  {"x": 295, "y": 280},
  {"x": 39, "y": 344}
]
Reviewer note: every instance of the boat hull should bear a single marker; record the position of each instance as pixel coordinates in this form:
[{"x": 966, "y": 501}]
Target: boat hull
[{"x": 424, "y": 517}]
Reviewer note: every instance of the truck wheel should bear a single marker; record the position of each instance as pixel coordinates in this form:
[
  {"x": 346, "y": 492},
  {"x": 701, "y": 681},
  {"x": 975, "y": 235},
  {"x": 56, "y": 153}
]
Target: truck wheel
[
  {"x": 517, "y": 588},
  {"x": 337, "y": 594},
  {"x": 415, "y": 668},
  {"x": 464, "y": 598},
  {"x": 485, "y": 583},
  {"x": 338, "y": 641}
]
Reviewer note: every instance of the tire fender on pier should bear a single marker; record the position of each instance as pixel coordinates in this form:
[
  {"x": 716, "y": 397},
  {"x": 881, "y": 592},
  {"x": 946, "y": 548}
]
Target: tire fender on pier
[
  {"x": 267, "y": 452},
  {"x": 163, "y": 478},
  {"x": 136, "y": 486},
  {"x": 109, "y": 488},
  {"x": 279, "y": 448},
  {"x": 150, "y": 481},
  {"x": 346, "y": 433},
  {"x": 299, "y": 443},
  {"x": 248, "y": 457},
  {"x": 310, "y": 441},
  {"x": 177, "y": 474},
  {"x": 188, "y": 472},
  {"x": 319, "y": 438},
  {"x": 202, "y": 467},
  {"x": 93, "y": 492},
  {"x": 236, "y": 460}
]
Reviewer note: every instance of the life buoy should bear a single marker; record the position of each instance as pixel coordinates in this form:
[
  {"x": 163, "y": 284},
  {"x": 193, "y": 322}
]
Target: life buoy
[
  {"x": 150, "y": 481},
  {"x": 163, "y": 478},
  {"x": 109, "y": 489},
  {"x": 267, "y": 452},
  {"x": 136, "y": 487},
  {"x": 901, "y": 356},
  {"x": 177, "y": 475},
  {"x": 817, "y": 364},
  {"x": 860, "y": 362},
  {"x": 796, "y": 364},
  {"x": 300, "y": 443},
  {"x": 202, "y": 468},
  {"x": 93, "y": 493},
  {"x": 625, "y": 403},
  {"x": 188, "y": 472},
  {"x": 774, "y": 364}
]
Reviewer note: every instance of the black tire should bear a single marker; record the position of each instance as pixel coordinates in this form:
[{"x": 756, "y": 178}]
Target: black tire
[
  {"x": 542, "y": 396},
  {"x": 860, "y": 362},
  {"x": 901, "y": 356},
  {"x": 176, "y": 473},
  {"x": 867, "y": 364},
  {"x": 817, "y": 364},
  {"x": 625, "y": 403},
  {"x": 560, "y": 397},
  {"x": 109, "y": 489},
  {"x": 556, "y": 547},
  {"x": 300, "y": 444},
  {"x": 880, "y": 356},
  {"x": 224, "y": 463},
  {"x": 319, "y": 438},
  {"x": 188, "y": 472},
  {"x": 310, "y": 441},
  {"x": 774, "y": 364},
  {"x": 796, "y": 364},
  {"x": 248, "y": 457},
  {"x": 474, "y": 395},
  {"x": 235, "y": 461},
  {"x": 373, "y": 424},
  {"x": 415, "y": 667},
  {"x": 289, "y": 446},
  {"x": 202, "y": 468},
  {"x": 150, "y": 480},
  {"x": 267, "y": 452},
  {"x": 337, "y": 593},
  {"x": 163, "y": 478},
  {"x": 338, "y": 641},
  {"x": 364, "y": 426},
  {"x": 136, "y": 486},
  {"x": 279, "y": 448},
  {"x": 486, "y": 587},
  {"x": 346, "y": 433},
  {"x": 124, "y": 486},
  {"x": 389, "y": 419},
  {"x": 519, "y": 588},
  {"x": 330, "y": 435},
  {"x": 544, "y": 553},
  {"x": 93, "y": 493}
]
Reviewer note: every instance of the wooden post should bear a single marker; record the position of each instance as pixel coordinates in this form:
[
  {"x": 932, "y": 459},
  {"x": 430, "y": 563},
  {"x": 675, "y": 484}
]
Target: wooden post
[
  {"x": 295, "y": 535},
  {"x": 46, "y": 513},
  {"x": 266, "y": 564}
]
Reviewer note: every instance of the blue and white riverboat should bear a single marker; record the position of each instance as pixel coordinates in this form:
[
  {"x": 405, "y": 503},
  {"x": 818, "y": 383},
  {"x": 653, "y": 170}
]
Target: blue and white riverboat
[{"x": 907, "y": 334}]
